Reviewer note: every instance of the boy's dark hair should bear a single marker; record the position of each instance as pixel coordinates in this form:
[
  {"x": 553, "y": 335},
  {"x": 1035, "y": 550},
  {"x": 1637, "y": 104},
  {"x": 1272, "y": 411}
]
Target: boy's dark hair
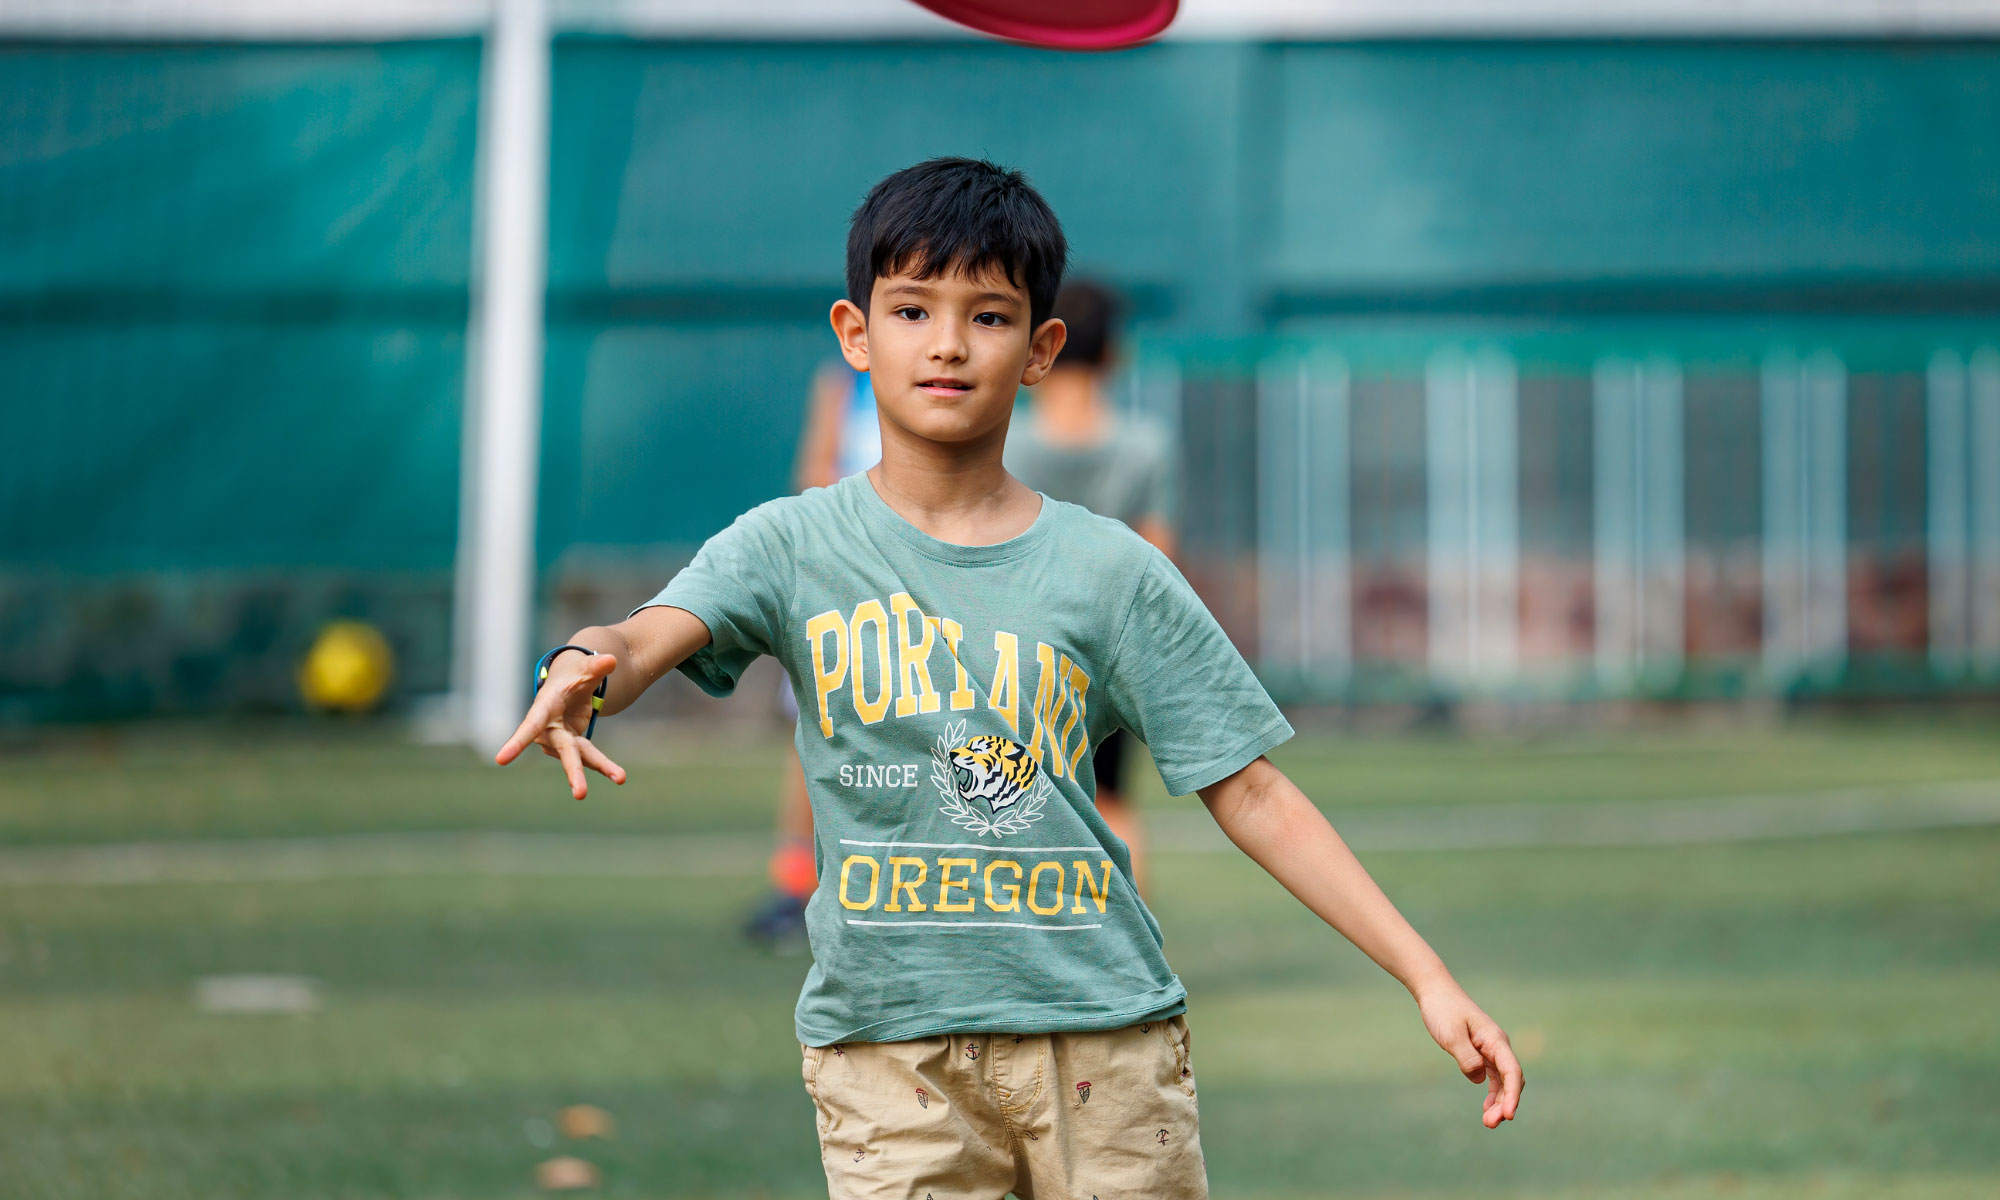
[
  {"x": 1090, "y": 311},
  {"x": 957, "y": 214}
]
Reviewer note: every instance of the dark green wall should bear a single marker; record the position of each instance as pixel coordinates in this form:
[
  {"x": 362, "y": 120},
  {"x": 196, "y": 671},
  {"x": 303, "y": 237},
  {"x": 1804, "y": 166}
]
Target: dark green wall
[
  {"x": 232, "y": 279},
  {"x": 1402, "y": 169},
  {"x": 232, "y": 303},
  {"x": 698, "y": 215}
]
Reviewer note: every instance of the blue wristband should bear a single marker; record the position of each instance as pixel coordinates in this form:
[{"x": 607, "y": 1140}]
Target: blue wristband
[{"x": 596, "y": 697}]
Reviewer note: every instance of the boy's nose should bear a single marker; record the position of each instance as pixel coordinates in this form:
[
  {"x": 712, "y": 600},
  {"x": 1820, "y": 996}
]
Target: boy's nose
[{"x": 948, "y": 346}]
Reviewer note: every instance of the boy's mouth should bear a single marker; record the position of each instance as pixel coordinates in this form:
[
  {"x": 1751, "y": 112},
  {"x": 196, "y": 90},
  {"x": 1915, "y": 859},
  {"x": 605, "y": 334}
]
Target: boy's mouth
[{"x": 944, "y": 385}]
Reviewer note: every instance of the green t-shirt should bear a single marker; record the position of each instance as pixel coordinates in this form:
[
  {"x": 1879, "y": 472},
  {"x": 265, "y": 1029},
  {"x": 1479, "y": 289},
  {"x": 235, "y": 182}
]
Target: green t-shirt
[{"x": 949, "y": 698}]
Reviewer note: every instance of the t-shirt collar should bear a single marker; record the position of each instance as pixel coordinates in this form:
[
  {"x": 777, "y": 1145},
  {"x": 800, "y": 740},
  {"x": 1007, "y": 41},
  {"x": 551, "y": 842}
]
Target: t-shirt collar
[{"x": 877, "y": 513}]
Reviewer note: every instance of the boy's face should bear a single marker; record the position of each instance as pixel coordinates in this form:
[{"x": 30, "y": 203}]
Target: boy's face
[{"x": 946, "y": 355}]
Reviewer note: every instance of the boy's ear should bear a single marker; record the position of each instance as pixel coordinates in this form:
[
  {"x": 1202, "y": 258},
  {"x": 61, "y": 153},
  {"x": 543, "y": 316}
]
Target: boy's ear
[
  {"x": 850, "y": 325},
  {"x": 1042, "y": 350}
]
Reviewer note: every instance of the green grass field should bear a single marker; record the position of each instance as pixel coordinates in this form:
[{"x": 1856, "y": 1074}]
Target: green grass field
[{"x": 1810, "y": 1017}]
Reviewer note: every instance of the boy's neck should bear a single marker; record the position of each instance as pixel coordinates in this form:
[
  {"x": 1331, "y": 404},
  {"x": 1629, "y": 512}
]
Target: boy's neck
[
  {"x": 959, "y": 493},
  {"x": 1070, "y": 409}
]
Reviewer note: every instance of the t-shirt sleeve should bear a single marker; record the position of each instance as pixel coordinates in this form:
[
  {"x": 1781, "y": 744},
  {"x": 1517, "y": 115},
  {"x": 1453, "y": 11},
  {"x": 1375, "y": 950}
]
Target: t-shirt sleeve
[
  {"x": 1180, "y": 686},
  {"x": 740, "y": 586}
]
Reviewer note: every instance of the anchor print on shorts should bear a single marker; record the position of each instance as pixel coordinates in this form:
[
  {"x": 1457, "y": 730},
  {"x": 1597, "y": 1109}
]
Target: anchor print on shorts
[
  {"x": 972, "y": 1051},
  {"x": 1083, "y": 1093},
  {"x": 1161, "y": 1137},
  {"x": 860, "y": 1152},
  {"x": 923, "y": 1098}
]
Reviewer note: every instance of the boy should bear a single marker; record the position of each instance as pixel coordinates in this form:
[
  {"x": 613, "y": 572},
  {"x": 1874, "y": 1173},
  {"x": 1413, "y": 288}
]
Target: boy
[
  {"x": 1074, "y": 446},
  {"x": 988, "y": 1008}
]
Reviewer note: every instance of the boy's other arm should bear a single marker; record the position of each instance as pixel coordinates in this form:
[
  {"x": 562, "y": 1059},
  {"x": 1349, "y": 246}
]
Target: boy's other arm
[
  {"x": 633, "y": 654},
  {"x": 819, "y": 443},
  {"x": 1272, "y": 821}
]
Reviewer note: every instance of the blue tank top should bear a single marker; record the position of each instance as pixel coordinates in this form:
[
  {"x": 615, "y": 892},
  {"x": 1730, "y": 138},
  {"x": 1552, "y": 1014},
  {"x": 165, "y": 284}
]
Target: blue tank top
[{"x": 860, "y": 432}]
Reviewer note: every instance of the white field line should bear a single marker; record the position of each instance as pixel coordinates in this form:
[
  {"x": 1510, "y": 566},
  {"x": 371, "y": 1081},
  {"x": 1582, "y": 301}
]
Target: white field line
[
  {"x": 649, "y": 856},
  {"x": 369, "y": 855},
  {"x": 1634, "y": 823}
]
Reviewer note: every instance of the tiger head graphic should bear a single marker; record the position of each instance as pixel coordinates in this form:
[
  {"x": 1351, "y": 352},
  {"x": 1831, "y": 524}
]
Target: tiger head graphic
[{"x": 993, "y": 769}]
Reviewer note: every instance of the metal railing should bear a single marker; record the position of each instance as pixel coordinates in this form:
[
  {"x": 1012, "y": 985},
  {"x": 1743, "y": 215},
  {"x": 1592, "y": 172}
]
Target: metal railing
[{"x": 1486, "y": 520}]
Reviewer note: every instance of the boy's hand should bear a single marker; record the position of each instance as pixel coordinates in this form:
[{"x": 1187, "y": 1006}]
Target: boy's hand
[
  {"x": 559, "y": 715},
  {"x": 1480, "y": 1046}
]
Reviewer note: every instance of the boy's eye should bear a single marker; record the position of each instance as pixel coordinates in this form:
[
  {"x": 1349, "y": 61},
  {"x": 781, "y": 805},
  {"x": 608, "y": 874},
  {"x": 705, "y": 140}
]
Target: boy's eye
[
  {"x": 910, "y": 312},
  {"x": 997, "y": 318}
]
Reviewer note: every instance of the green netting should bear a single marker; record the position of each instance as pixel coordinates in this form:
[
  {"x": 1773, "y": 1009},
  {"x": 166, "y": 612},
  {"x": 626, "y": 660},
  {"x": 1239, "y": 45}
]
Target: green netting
[
  {"x": 194, "y": 238},
  {"x": 233, "y": 279},
  {"x": 233, "y": 286},
  {"x": 232, "y": 325}
]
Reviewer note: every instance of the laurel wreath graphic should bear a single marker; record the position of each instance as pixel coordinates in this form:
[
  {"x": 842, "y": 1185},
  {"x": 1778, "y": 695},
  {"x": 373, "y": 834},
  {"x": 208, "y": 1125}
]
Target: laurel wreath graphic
[{"x": 1015, "y": 820}]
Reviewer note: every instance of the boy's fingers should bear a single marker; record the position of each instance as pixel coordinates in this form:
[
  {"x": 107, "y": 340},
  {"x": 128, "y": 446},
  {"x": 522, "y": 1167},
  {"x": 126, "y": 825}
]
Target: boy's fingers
[
  {"x": 542, "y": 713},
  {"x": 1470, "y": 1061},
  {"x": 518, "y": 741},
  {"x": 1512, "y": 1081},
  {"x": 572, "y": 764},
  {"x": 1507, "y": 1079},
  {"x": 524, "y": 736},
  {"x": 599, "y": 762}
]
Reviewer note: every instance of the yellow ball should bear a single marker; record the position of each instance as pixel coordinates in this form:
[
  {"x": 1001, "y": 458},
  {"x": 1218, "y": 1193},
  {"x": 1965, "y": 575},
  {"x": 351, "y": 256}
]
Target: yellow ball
[{"x": 348, "y": 667}]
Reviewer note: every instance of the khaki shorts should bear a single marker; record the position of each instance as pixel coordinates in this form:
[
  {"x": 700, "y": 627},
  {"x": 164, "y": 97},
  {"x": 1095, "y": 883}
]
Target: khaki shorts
[{"x": 1047, "y": 1116}]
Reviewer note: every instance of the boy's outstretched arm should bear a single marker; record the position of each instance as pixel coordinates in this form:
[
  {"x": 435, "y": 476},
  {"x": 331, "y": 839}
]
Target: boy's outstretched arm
[
  {"x": 1271, "y": 820},
  {"x": 634, "y": 654}
]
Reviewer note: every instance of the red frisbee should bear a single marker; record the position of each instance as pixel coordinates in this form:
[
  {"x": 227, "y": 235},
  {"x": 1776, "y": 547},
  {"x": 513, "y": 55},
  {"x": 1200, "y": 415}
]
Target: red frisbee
[{"x": 1062, "y": 24}]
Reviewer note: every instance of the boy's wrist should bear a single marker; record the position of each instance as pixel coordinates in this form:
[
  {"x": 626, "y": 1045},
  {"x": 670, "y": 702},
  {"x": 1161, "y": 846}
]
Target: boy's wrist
[
  {"x": 546, "y": 665},
  {"x": 1431, "y": 979}
]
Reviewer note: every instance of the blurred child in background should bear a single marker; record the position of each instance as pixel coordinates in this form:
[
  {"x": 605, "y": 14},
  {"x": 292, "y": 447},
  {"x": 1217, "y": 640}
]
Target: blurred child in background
[
  {"x": 841, "y": 438},
  {"x": 1073, "y": 445}
]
